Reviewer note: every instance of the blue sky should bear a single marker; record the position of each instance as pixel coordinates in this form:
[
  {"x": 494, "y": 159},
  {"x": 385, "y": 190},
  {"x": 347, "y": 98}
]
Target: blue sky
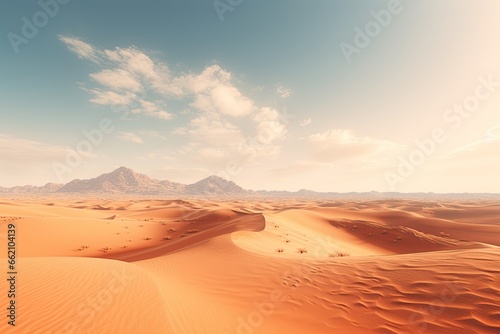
[{"x": 267, "y": 97}]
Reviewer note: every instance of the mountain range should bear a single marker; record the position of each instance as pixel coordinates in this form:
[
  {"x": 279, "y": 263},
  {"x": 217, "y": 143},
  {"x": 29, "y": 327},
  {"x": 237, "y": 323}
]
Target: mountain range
[{"x": 125, "y": 181}]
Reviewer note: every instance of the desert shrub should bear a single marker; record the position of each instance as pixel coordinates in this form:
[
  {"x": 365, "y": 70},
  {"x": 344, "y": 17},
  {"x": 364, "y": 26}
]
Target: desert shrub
[{"x": 339, "y": 254}]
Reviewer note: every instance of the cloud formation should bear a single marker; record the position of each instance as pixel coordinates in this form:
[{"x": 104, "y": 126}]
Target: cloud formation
[{"x": 224, "y": 123}]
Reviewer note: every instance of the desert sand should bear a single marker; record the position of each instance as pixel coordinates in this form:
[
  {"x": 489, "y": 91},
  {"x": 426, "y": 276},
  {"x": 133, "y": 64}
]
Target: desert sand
[{"x": 263, "y": 266}]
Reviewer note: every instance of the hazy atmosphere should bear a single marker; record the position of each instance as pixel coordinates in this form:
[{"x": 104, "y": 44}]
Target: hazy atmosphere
[
  {"x": 250, "y": 167},
  {"x": 277, "y": 95}
]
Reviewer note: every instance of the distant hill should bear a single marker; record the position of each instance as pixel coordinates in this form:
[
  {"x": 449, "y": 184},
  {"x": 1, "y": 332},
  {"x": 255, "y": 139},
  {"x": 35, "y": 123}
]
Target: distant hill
[
  {"x": 215, "y": 185},
  {"x": 122, "y": 180},
  {"x": 125, "y": 181}
]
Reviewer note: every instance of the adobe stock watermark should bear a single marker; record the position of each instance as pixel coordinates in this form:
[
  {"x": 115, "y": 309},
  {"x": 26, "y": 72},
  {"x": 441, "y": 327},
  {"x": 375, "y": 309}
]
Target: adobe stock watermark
[
  {"x": 83, "y": 149},
  {"x": 86, "y": 311},
  {"x": 364, "y": 36},
  {"x": 454, "y": 117},
  {"x": 31, "y": 26},
  {"x": 223, "y": 6},
  {"x": 429, "y": 313}
]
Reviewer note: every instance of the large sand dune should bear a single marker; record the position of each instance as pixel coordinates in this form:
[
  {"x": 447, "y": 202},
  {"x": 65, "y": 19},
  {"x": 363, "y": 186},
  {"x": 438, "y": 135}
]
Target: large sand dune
[{"x": 270, "y": 266}]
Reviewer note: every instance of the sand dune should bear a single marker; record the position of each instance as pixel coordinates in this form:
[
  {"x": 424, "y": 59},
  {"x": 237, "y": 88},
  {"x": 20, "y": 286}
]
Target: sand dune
[{"x": 197, "y": 266}]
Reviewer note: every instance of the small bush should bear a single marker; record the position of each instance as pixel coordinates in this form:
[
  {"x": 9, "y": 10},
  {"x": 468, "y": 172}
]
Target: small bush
[
  {"x": 302, "y": 250},
  {"x": 339, "y": 254}
]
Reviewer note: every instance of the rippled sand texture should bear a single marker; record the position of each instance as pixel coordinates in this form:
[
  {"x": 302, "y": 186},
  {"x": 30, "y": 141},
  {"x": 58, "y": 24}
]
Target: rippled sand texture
[{"x": 270, "y": 266}]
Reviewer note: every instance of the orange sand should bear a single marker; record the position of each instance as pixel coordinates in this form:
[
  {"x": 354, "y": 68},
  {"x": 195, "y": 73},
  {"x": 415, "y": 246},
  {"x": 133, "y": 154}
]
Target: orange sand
[{"x": 270, "y": 266}]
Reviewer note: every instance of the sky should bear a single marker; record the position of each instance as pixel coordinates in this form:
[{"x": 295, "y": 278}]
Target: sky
[{"x": 337, "y": 96}]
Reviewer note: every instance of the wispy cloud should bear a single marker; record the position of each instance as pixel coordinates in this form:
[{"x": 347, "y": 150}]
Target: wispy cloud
[
  {"x": 81, "y": 49},
  {"x": 130, "y": 137},
  {"x": 19, "y": 149},
  {"x": 129, "y": 75},
  {"x": 29, "y": 158},
  {"x": 341, "y": 144}
]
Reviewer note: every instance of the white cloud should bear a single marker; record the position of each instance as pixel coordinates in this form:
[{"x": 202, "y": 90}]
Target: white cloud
[
  {"x": 213, "y": 91},
  {"x": 269, "y": 125},
  {"x": 223, "y": 123},
  {"x": 151, "y": 109},
  {"x": 111, "y": 98},
  {"x": 212, "y": 129},
  {"x": 130, "y": 137},
  {"x": 153, "y": 134},
  {"x": 117, "y": 79},
  {"x": 129, "y": 71},
  {"x": 81, "y": 49}
]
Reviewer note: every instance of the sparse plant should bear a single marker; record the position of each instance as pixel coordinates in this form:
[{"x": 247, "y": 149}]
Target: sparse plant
[
  {"x": 280, "y": 250},
  {"x": 339, "y": 254},
  {"x": 287, "y": 241},
  {"x": 148, "y": 238},
  {"x": 302, "y": 250},
  {"x": 167, "y": 237},
  {"x": 172, "y": 229}
]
